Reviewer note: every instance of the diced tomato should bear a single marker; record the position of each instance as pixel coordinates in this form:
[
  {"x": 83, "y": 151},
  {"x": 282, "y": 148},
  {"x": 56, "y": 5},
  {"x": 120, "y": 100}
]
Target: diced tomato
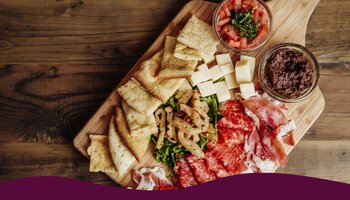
[
  {"x": 234, "y": 44},
  {"x": 245, "y": 5},
  {"x": 226, "y": 9},
  {"x": 261, "y": 35},
  {"x": 222, "y": 15},
  {"x": 223, "y": 21},
  {"x": 260, "y": 9},
  {"x": 264, "y": 19},
  {"x": 243, "y": 44},
  {"x": 256, "y": 15},
  {"x": 230, "y": 32},
  {"x": 234, "y": 4},
  {"x": 254, "y": 3}
]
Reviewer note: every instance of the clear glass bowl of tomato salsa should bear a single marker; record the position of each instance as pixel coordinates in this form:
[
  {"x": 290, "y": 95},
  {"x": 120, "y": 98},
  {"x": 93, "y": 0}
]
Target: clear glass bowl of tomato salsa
[{"x": 242, "y": 25}]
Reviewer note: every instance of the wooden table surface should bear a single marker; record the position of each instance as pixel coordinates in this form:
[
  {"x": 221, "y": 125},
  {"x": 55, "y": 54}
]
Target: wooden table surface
[{"x": 59, "y": 59}]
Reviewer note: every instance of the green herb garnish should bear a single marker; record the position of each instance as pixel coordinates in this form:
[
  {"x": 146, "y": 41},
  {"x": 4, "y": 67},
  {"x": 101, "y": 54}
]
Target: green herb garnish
[
  {"x": 243, "y": 21},
  {"x": 213, "y": 113},
  {"x": 172, "y": 102}
]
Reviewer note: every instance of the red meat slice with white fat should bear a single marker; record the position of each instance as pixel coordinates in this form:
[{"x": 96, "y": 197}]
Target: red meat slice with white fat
[
  {"x": 186, "y": 176},
  {"x": 267, "y": 111},
  {"x": 201, "y": 172},
  {"x": 214, "y": 165}
]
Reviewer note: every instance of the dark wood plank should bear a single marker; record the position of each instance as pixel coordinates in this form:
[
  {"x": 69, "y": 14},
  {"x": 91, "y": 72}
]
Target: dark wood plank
[{"x": 39, "y": 159}]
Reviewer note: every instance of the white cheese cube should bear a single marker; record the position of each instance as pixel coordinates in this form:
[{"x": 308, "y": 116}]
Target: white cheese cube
[
  {"x": 185, "y": 86},
  {"x": 251, "y": 63},
  {"x": 202, "y": 74},
  {"x": 215, "y": 73},
  {"x": 243, "y": 74},
  {"x": 206, "y": 88},
  {"x": 207, "y": 58},
  {"x": 222, "y": 59},
  {"x": 231, "y": 81},
  {"x": 227, "y": 68},
  {"x": 247, "y": 90},
  {"x": 222, "y": 91}
]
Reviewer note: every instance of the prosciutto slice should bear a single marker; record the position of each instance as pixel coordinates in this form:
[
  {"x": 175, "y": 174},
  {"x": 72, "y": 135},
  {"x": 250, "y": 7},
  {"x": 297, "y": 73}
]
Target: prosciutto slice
[
  {"x": 152, "y": 179},
  {"x": 267, "y": 111}
]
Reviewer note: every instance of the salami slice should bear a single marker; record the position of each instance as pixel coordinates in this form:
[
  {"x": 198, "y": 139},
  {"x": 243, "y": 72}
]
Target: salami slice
[
  {"x": 214, "y": 165},
  {"x": 186, "y": 177},
  {"x": 199, "y": 169},
  {"x": 231, "y": 136},
  {"x": 234, "y": 117}
]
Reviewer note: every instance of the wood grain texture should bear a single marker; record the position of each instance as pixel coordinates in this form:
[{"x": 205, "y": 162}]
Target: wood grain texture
[{"x": 95, "y": 47}]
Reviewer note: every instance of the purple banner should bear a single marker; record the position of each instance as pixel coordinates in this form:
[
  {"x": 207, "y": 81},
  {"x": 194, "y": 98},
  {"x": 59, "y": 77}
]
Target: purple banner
[{"x": 251, "y": 186}]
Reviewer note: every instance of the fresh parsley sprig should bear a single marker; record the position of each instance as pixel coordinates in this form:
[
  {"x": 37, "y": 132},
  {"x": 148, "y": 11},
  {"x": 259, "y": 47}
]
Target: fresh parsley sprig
[{"x": 243, "y": 21}]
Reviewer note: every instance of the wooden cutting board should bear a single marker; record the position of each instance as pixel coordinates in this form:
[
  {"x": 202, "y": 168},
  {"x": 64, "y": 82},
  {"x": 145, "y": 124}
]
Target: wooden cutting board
[{"x": 290, "y": 19}]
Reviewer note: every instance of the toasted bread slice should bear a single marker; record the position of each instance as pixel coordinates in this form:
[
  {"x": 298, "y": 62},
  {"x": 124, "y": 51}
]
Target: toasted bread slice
[
  {"x": 138, "y": 144},
  {"x": 121, "y": 155},
  {"x": 198, "y": 35},
  {"x": 136, "y": 96},
  {"x": 139, "y": 124},
  {"x": 162, "y": 89},
  {"x": 184, "y": 52},
  {"x": 173, "y": 67},
  {"x": 100, "y": 158}
]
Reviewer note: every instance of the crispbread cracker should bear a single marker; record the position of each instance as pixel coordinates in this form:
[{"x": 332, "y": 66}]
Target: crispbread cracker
[
  {"x": 184, "y": 52},
  {"x": 138, "y": 98},
  {"x": 100, "y": 158},
  {"x": 163, "y": 89},
  {"x": 121, "y": 156},
  {"x": 173, "y": 67},
  {"x": 139, "y": 124},
  {"x": 138, "y": 144},
  {"x": 198, "y": 35},
  {"x": 158, "y": 57}
]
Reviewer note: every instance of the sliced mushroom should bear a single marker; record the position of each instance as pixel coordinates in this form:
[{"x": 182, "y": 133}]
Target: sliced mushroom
[
  {"x": 160, "y": 116},
  {"x": 171, "y": 134},
  {"x": 190, "y": 145},
  {"x": 186, "y": 97}
]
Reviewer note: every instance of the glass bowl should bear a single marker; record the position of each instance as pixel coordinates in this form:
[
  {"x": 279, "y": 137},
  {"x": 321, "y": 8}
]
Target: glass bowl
[
  {"x": 312, "y": 61},
  {"x": 261, "y": 4}
]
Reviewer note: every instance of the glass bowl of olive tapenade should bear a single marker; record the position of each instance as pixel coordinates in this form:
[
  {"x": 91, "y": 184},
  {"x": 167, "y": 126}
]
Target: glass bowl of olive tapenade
[{"x": 289, "y": 72}]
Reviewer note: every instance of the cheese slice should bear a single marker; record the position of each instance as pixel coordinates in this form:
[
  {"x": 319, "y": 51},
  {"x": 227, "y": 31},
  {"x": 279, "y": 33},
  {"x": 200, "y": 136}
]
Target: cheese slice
[
  {"x": 206, "y": 88},
  {"x": 222, "y": 59},
  {"x": 185, "y": 86},
  {"x": 202, "y": 74},
  {"x": 207, "y": 58},
  {"x": 215, "y": 73},
  {"x": 247, "y": 90},
  {"x": 231, "y": 81},
  {"x": 243, "y": 74},
  {"x": 227, "y": 68},
  {"x": 251, "y": 63},
  {"x": 222, "y": 91}
]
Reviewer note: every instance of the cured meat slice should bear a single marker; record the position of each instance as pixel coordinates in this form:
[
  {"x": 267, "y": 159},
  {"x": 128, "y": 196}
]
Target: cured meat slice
[
  {"x": 152, "y": 179},
  {"x": 267, "y": 111},
  {"x": 271, "y": 148},
  {"x": 229, "y": 156},
  {"x": 186, "y": 176},
  {"x": 241, "y": 121},
  {"x": 199, "y": 169},
  {"x": 214, "y": 165},
  {"x": 234, "y": 116},
  {"x": 231, "y": 136}
]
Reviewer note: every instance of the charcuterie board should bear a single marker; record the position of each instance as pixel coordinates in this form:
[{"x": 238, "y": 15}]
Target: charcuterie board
[{"x": 290, "y": 19}]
